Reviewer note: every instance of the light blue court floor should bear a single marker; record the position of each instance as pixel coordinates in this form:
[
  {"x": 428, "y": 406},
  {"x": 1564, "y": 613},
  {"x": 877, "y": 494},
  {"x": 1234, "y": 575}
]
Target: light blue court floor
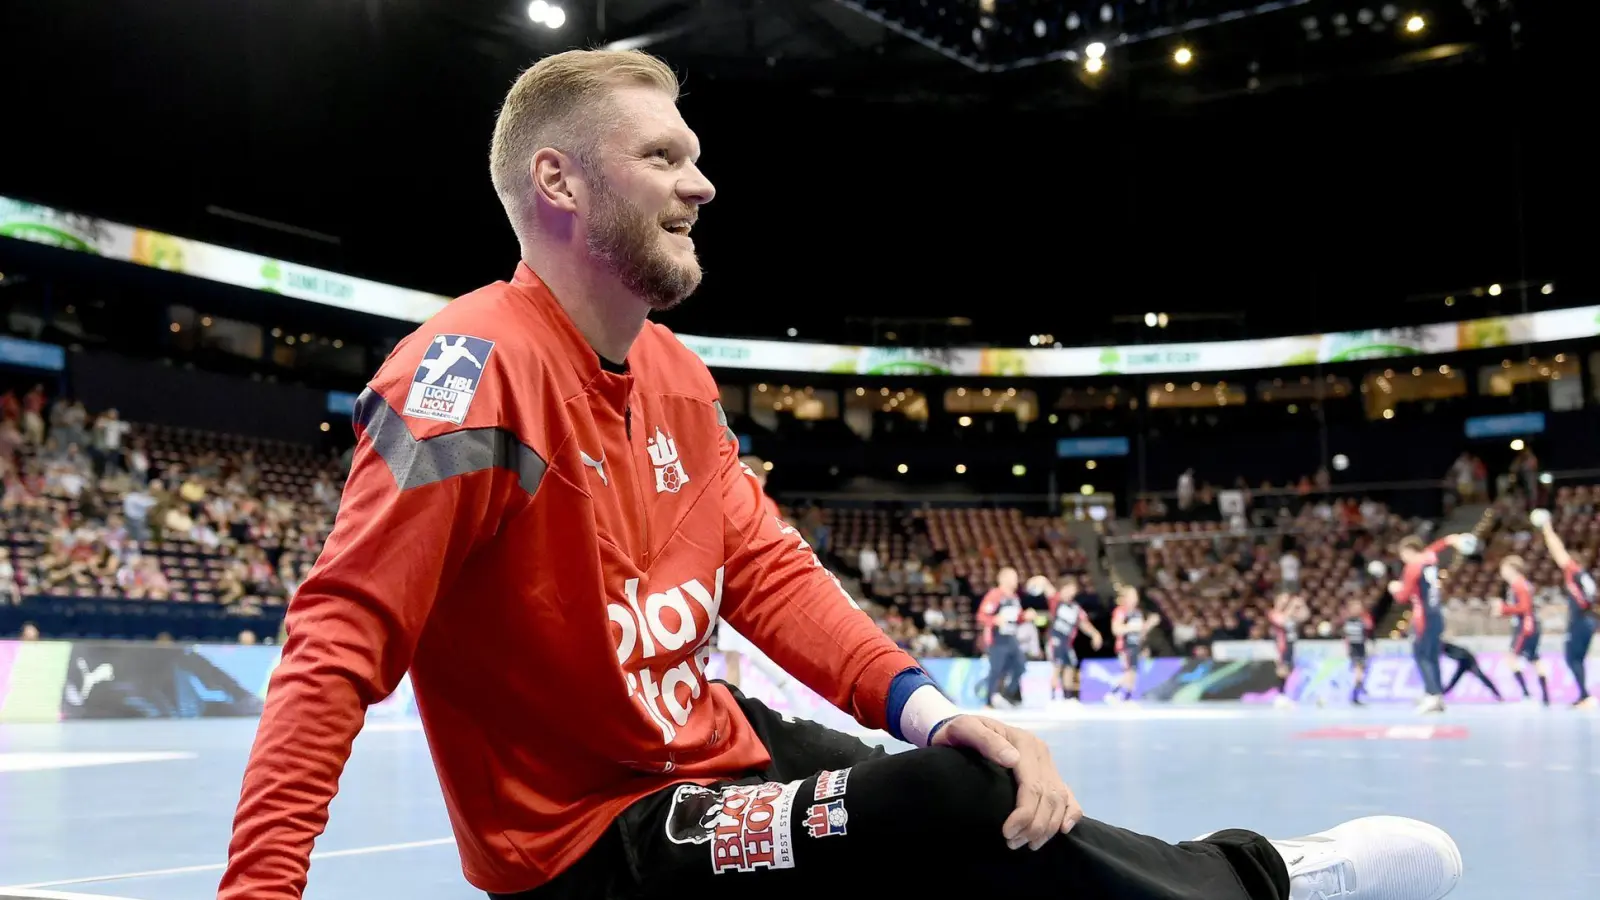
[{"x": 142, "y": 809}]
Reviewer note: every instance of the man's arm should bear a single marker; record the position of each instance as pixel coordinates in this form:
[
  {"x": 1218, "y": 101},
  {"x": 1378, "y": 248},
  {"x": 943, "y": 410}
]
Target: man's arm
[
  {"x": 987, "y": 607},
  {"x": 777, "y": 593},
  {"x": 412, "y": 511},
  {"x": 1410, "y": 580},
  {"x": 1119, "y": 622},
  {"x": 1556, "y": 546},
  {"x": 1524, "y": 607},
  {"x": 1094, "y": 633}
]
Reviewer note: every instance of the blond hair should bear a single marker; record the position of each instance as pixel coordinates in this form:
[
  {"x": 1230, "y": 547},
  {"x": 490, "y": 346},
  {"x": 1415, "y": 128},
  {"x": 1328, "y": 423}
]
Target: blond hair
[{"x": 561, "y": 101}]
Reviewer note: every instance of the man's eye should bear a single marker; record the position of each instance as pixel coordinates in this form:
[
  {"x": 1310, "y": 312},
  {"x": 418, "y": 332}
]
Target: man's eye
[{"x": 662, "y": 153}]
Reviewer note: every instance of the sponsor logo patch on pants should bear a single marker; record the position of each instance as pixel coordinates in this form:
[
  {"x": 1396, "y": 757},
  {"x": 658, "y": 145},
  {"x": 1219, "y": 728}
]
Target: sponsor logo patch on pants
[
  {"x": 747, "y": 826},
  {"x": 824, "y": 819},
  {"x": 832, "y": 784}
]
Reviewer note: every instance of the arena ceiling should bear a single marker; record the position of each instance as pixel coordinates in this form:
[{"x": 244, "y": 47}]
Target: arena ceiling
[{"x": 1314, "y": 165}]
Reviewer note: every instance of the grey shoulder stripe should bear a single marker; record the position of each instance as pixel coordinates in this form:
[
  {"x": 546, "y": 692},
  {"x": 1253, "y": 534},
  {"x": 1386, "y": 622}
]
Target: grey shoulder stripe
[
  {"x": 418, "y": 462},
  {"x": 722, "y": 419}
]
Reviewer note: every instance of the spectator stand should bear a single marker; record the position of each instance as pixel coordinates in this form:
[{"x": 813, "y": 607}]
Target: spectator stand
[{"x": 155, "y": 532}]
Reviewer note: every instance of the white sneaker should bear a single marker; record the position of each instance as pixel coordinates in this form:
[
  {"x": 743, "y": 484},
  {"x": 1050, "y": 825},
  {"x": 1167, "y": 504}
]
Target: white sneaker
[
  {"x": 1431, "y": 704},
  {"x": 1375, "y": 858}
]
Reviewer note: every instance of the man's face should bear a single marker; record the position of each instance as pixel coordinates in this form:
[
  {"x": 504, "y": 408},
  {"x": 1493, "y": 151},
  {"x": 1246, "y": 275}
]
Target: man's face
[
  {"x": 645, "y": 193},
  {"x": 1008, "y": 581}
]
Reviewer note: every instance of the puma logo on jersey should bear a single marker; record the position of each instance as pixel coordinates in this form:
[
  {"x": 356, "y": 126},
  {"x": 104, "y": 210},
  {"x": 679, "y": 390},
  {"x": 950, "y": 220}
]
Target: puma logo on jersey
[{"x": 599, "y": 465}]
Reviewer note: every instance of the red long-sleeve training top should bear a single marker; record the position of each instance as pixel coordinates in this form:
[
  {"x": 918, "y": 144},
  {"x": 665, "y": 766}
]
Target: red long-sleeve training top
[{"x": 545, "y": 543}]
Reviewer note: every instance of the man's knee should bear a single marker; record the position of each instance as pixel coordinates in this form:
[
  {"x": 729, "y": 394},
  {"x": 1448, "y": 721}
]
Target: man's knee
[{"x": 953, "y": 792}]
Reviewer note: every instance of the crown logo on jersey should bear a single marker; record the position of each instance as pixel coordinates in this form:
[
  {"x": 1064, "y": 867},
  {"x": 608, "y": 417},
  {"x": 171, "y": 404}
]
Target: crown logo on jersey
[{"x": 670, "y": 476}]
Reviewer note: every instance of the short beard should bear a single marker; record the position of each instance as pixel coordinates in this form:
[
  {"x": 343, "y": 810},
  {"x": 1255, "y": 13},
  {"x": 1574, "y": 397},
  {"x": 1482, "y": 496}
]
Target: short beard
[{"x": 624, "y": 240}]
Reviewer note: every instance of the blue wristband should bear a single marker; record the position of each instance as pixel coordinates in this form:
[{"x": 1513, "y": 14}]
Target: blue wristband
[{"x": 900, "y": 690}]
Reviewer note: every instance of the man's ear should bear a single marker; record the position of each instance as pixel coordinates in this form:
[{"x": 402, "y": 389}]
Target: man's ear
[{"x": 553, "y": 174}]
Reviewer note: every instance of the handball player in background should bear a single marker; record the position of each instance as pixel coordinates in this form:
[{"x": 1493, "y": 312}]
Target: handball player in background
[
  {"x": 1289, "y": 611},
  {"x": 1466, "y": 664},
  {"x": 1357, "y": 629},
  {"x": 1525, "y": 630},
  {"x": 1419, "y": 586},
  {"x": 1579, "y": 587},
  {"x": 1031, "y": 634},
  {"x": 1130, "y": 625},
  {"x": 545, "y": 534},
  {"x": 999, "y": 614},
  {"x": 1067, "y": 618}
]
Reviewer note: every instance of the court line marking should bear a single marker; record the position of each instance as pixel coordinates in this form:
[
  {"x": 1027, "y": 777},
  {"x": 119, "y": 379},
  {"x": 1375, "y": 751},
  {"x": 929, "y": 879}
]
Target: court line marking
[
  {"x": 55, "y": 895},
  {"x": 217, "y": 867},
  {"x": 42, "y": 761},
  {"x": 1513, "y": 765}
]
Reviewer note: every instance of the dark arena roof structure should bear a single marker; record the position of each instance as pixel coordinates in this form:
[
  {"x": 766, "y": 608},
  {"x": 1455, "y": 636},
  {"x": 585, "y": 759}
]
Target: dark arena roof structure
[{"x": 884, "y": 166}]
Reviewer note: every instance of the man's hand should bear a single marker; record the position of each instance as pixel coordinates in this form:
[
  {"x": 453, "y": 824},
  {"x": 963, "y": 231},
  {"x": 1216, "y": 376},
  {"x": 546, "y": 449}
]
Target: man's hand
[
  {"x": 1096, "y": 642},
  {"x": 1045, "y": 805}
]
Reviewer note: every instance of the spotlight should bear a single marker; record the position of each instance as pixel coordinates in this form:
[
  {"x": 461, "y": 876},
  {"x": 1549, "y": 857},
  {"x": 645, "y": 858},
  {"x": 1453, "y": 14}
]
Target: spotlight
[
  {"x": 1183, "y": 56},
  {"x": 1093, "y": 65},
  {"x": 1416, "y": 24},
  {"x": 547, "y": 14}
]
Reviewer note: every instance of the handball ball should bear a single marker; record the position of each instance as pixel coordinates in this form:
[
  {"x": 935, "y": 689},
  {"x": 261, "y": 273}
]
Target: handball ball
[
  {"x": 1539, "y": 517},
  {"x": 1376, "y": 568},
  {"x": 1469, "y": 544}
]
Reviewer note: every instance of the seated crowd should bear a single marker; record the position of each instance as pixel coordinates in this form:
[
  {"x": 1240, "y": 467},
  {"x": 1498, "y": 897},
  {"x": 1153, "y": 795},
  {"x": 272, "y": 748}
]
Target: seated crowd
[
  {"x": 1217, "y": 580},
  {"x": 115, "y": 530},
  {"x": 101, "y": 510},
  {"x": 99, "y": 518},
  {"x": 927, "y": 567}
]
